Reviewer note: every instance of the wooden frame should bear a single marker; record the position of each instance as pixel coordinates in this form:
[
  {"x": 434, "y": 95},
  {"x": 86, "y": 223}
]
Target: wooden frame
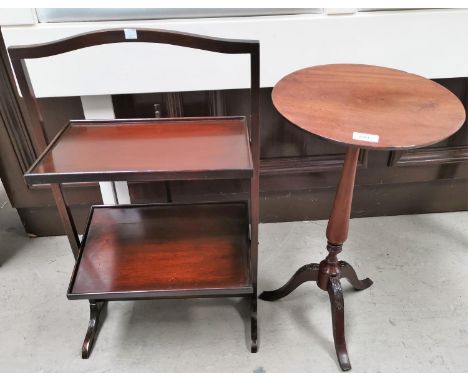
[{"x": 20, "y": 54}]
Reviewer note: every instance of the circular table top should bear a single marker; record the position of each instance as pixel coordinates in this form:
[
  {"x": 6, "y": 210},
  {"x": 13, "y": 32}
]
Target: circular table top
[{"x": 368, "y": 106}]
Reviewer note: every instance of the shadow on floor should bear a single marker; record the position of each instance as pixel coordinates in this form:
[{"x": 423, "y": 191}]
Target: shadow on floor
[{"x": 176, "y": 315}]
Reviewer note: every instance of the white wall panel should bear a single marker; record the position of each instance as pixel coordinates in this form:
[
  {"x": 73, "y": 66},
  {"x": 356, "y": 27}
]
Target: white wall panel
[
  {"x": 17, "y": 16},
  {"x": 431, "y": 43}
]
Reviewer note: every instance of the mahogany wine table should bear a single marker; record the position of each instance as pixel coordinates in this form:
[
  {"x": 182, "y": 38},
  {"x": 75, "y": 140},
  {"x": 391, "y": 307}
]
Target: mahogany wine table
[{"x": 362, "y": 107}]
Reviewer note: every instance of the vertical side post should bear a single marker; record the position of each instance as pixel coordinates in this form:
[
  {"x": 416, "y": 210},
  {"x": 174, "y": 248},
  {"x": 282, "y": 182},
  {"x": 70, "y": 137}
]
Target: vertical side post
[
  {"x": 67, "y": 219},
  {"x": 254, "y": 186},
  {"x": 255, "y": 149}
]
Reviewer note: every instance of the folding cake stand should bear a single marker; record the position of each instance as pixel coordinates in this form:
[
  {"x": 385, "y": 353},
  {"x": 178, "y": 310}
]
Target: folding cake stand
[{"x": 172, "y": 250}]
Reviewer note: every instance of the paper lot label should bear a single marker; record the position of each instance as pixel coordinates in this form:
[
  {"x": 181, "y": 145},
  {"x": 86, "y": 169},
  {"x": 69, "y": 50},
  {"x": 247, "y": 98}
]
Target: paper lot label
[{"x": 365, "y": 137}]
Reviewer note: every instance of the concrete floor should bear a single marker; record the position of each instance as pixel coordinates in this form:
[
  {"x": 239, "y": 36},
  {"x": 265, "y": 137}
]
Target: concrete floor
[{"x": 414, "y": 318}]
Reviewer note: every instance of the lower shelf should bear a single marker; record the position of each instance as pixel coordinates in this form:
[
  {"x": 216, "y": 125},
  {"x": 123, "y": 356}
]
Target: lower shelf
[{"x": 157, "y": 251}]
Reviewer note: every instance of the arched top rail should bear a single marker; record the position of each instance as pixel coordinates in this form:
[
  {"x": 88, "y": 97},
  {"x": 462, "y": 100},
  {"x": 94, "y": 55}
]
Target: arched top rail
[{"x": 112, "y": 36}]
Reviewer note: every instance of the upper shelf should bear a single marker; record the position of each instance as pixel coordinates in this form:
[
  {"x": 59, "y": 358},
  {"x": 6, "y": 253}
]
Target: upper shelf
[{"x": 146, "y": 149}]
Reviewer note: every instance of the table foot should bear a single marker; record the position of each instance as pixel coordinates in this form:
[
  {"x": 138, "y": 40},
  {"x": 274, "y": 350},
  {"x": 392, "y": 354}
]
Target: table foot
[
  {"x": 335, "y": 292},
  {"x": 96, "y": 309},
  {"x": 253, "y": 325},
  {"x": 327, "y": 274},
  {"x": 308, "y": 272},
  {"x": 348, "y": 272}
]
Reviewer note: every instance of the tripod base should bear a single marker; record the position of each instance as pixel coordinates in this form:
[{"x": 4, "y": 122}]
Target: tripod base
[{"x": 330, "y": 282}]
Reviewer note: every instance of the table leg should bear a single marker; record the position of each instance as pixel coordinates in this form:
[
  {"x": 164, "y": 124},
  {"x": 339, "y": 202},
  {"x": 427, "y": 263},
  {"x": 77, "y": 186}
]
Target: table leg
[
  {"x": 253, "y": 324},
  {"x": 328, "y": 273},
  {"x": 96, "y": 313}
]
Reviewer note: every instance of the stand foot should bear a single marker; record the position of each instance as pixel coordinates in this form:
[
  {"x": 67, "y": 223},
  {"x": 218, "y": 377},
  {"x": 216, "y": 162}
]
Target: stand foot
[
  {"x": 335, "y": 293},
  {"x": 327, "y": 275},
  {"x": 308, "y": 272},
  {"x": 253, "y": 325},
  {"x": 95, "y": 311},
  {"x": 348, "y": 272}
]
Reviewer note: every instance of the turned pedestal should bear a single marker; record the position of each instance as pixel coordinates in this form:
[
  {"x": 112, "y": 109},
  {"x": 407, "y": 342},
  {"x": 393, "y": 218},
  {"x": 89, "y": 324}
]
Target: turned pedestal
[{"x": 328, "y": 273}]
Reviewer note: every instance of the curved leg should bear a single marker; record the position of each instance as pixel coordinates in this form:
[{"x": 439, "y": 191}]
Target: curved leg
[
  {"x": 348, "y": 272},
  {"x": 308, "y": 272},
  {"x": 253, "y": 324},
  {"x": 95, "y": 309},
  {"x": 337, "y": 310}
]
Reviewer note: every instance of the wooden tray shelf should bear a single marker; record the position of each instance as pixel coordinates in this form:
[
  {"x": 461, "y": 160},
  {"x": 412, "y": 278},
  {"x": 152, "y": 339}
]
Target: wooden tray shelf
[
  {"x": 178, "y": 250},
  {"x": 146, "y": 150}
]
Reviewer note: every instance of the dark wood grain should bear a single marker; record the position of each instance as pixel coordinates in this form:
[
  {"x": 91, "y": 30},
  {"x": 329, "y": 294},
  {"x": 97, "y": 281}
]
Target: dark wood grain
[
  {"x": 403, "y": 109},
  {"x": 164, "y": 251},
  {"x": 157, "y": 149}
]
